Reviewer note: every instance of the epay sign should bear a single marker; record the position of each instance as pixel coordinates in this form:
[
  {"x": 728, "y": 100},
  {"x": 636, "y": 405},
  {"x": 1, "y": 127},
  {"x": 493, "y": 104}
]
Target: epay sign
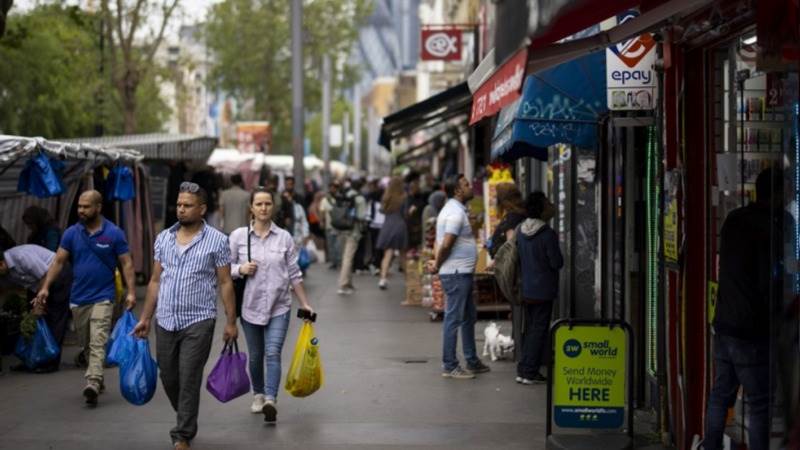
[
  {"x": 589, "y": 376},
  {"x": 630, "y": 76}
]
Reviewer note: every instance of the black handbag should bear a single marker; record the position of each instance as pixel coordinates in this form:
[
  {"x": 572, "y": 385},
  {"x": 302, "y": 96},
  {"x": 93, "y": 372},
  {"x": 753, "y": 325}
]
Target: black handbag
[{"x": 240, "y": 283}]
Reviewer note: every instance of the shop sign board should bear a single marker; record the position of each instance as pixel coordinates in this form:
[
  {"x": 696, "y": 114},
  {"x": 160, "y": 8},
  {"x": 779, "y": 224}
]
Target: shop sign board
[
  {"x": 630, "y": 76},
  {"x": 501, "y": 89},
  {"x": 441, "y": 44},
  {"x": 671, "y": 230},
  {"x": 590, "y": 376}
]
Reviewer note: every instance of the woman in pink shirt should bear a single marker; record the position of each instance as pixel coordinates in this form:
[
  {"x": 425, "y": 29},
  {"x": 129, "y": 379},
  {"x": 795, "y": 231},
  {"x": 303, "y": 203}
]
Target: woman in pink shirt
[{"x": 272, "y": 273}]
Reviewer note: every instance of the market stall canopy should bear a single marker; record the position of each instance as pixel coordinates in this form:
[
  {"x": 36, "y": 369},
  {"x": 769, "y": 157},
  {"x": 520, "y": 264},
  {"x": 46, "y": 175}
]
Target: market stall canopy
[
  {"x": 158, "y": 146},
  {"x": 435, "y": 110},
  {"x": 16, "y": 150},
  {"x": 231, "y": 160},
  {"x": 562, "y": 105}
]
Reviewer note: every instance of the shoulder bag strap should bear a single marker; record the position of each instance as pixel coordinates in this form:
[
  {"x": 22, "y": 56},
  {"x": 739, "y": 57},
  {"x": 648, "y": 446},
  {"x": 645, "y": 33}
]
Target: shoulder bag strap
[
  {"x": 94, "y": 251},
  {"x": 248, "y": 242}
]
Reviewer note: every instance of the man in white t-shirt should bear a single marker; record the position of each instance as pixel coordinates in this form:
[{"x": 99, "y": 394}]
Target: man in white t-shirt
[{"x": 456, "y": 253}]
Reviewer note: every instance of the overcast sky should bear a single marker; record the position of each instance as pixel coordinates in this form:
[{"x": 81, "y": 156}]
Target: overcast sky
[{"x": 193, "y": 10}]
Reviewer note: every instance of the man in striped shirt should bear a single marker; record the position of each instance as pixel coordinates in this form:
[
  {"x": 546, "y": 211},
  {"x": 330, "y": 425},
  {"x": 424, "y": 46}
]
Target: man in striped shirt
[{"x": 191, "y": 259}]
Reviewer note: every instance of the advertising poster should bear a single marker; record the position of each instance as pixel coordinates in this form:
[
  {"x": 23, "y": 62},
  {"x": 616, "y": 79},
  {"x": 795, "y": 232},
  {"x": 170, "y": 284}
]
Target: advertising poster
[
  {"x": 253, "y": 137},
  {"x": 589, "y": 376}
]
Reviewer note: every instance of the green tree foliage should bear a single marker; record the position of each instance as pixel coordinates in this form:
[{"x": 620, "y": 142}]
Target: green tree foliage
[
  {"x": 251, "y": 44},
  {"x": 51, "y": 84}
]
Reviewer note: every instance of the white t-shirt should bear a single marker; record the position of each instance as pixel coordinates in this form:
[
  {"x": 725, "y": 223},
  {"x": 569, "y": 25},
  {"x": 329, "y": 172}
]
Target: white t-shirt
[{"x": 453, "y": 220}]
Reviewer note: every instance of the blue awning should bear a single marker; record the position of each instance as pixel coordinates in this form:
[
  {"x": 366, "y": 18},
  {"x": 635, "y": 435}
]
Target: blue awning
[{"x": 562, "y": 105}]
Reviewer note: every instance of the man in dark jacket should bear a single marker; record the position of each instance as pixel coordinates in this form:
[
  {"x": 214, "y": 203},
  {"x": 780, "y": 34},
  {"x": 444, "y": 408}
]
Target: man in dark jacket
[
  {"x": 540, "y": 260},
  {"x": 749, "y": 245}
]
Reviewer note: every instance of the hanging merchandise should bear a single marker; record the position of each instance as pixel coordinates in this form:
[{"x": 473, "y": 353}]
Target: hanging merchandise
[
  {"x": 41, "y": 177},
  {"x": 119, "y": 184}
]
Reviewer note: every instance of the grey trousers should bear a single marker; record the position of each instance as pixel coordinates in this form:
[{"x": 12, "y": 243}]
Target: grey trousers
[{"x": 181, "y": 357}]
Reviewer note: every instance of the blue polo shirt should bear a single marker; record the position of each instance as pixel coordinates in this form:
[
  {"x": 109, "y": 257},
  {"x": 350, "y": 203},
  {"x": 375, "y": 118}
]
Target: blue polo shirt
[{"x": 94, "y": 259}]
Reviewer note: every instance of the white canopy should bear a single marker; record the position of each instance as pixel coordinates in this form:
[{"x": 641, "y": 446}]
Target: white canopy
[{"x": 231, "y": 160}]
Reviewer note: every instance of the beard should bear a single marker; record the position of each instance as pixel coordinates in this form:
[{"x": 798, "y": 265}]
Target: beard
[
  {"x": 187, "y": 222},
  {"x": 87, "y": 218}
]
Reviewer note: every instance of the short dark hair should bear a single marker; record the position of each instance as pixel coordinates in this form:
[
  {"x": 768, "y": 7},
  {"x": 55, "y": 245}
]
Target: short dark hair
[
  {"x": 412, "y": 177},
  {"x": 237, "y": 179},
  {"x": 535, "y": 204},
  {"x": 201, "y": 195},
  {"x": 2, "y": 255},
  {"x": 260, "y": 190},
  {"x": 769, "y": 184},
  {"x": 288, "y": 178},
  {"x": 451, "y": 184}
]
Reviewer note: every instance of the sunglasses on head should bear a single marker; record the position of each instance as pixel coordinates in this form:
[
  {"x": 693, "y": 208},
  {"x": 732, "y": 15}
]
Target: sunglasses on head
[{"x": 188, "y": 186}]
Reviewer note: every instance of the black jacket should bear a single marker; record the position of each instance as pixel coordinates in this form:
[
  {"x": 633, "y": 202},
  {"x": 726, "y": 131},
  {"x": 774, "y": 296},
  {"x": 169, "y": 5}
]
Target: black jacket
[
  {"x": 742, "y": 308},
  {"x": 540, "y": 260}
]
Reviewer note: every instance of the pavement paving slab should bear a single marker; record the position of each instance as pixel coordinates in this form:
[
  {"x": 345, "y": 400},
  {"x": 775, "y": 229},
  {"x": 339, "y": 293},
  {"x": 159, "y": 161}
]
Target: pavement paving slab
[{"x": 383, "y": 390}]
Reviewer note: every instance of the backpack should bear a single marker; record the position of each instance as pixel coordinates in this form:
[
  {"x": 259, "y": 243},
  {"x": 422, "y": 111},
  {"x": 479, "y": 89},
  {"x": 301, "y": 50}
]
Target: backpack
[
  {"x": 343, "y": 214},
  {"x": 506, "y": 269}
]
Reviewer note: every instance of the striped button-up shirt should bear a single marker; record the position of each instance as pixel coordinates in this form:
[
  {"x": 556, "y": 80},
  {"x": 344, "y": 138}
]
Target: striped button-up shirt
[
  {"x": 267, "y": 293},
  {"x": 188, "y": 292}
]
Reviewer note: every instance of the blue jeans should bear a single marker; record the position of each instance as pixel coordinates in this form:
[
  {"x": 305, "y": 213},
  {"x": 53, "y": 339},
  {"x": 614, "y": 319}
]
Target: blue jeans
[
  {"x": 459, "y": 312},
  {"x": 266, "y": 342},
  {"x": 746, "y": 363}
]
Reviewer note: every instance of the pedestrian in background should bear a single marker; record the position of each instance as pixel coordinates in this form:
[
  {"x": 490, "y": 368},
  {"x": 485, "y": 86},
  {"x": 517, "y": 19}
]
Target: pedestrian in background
[
  {"x": 192, "y": 260},
  {"x": 94, "y": 246},
  {"x": 316, "y": 221},
  {"x": 26, "y": 266},
  {"x": 416, "y": 201},
  {"x": 394, "y": 234},
  {"x": 749, "y": 242},
  {"x": 436, "y": 201},
  {"x": 272, "y": 273},
  {"x": 540, "y": 261},
  {"x": 233, "y": 205},
  {"x": 456, "y": 254},
  {"x": 332, "y": 247},
  {"x": 375, "y": 219},
  {"x": 350, "y": 238},
  {"x": 512, "y": 212},
  {"x": 44, "y": 231}
]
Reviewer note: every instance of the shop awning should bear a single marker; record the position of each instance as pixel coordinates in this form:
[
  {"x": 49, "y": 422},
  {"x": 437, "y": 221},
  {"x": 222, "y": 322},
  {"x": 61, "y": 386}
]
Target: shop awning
[
  {"x": 158, "y": 146},
  {"x": 428, "y": 113},
  {"x": 562, "y": 105}
]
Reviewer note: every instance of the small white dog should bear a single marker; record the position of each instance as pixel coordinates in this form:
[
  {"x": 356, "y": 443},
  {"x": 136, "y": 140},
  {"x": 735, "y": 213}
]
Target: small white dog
[{"x": 495, "y": 343}]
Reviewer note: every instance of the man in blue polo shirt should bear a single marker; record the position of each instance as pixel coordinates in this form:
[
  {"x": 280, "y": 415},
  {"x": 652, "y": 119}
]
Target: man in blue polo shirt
[{"x": 94, "y": 246}]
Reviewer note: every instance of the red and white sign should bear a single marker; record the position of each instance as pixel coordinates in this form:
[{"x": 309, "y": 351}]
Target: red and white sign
[
  {"x": 501, "y": 89},
  {"x": 441, "y": 45}
]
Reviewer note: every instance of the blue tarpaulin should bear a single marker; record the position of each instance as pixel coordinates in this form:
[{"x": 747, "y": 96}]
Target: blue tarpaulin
[{"x": 562, "y": 105}]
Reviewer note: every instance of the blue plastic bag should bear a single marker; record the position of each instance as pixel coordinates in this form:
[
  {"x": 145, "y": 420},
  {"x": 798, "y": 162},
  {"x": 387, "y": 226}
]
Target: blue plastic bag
[
  {"x": 40, "y": 349},
  {"x": 121, "y": 343},
  {"x": 137, "y": 375},
  {"x": 119, "y": 185},
  {"x": 41, "y": 177},
  {"x": 303, "y": 259}
]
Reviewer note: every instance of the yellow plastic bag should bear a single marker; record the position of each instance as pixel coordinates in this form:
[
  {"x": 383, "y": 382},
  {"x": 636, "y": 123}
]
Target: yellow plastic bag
[{"x": 305, "y": 373}]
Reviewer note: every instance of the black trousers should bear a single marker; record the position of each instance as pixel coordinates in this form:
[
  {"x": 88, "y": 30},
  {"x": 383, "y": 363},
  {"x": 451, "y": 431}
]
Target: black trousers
[{"x": 536, "y": 323}]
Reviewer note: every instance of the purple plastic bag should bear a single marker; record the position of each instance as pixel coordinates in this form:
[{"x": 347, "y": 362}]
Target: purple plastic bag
[{"x": 228, "y": 379}]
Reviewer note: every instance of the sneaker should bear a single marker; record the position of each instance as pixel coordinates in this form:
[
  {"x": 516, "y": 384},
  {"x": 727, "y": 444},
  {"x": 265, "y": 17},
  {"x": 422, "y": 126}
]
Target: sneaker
[
  {"x": 479, "y": 368},
  {"x": 91, "y": 391},
  {"x": 344, "y": 291},
  {"x": 270, "y": 411},
  {"x": 536, "y": 379},
  {"x": 459, "y": 374},
  {"x": 258, "y": 403},
  {"x": 182, "y": 445},
  {"x": 375, "y": 271},
  {"x": 383, "y": 284}
]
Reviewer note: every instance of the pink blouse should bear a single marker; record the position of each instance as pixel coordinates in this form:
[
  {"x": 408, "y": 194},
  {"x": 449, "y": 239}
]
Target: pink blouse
[{"x": 267, "y": 293}]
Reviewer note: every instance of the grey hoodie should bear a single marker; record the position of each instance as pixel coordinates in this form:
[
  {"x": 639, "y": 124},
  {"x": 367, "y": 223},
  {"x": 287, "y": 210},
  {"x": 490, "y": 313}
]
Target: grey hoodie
[{"x": 540, "y": 260}]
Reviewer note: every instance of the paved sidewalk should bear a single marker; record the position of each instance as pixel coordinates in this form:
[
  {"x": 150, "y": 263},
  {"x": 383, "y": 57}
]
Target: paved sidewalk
[{"x": 372, "y": 398}]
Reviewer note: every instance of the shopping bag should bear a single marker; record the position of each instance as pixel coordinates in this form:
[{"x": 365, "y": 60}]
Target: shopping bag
[
  {"x": 41, "y": 177},
  {"x": 137, "y": 375},
  {"x": 228, "y": 379},
  {"x": 305, "y": 372},
  {"x": 119, "y": 184},
  {"x": 41, "y": 348},
  {"x": 122, "y": 343},
  {"x": 303, "y": 259}
]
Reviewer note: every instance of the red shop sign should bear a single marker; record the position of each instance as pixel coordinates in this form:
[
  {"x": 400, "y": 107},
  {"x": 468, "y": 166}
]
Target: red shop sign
[
  {"x": 501, "y": 89},
  {"x": 441, "y": 45}
]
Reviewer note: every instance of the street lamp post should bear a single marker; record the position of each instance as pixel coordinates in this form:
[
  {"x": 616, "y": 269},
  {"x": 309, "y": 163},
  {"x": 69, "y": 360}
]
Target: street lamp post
[{"x": 297, "y": 93}]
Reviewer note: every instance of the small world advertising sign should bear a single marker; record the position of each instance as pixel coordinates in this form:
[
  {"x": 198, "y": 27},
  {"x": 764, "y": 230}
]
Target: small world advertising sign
[{"x": 589, "y": 376}]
